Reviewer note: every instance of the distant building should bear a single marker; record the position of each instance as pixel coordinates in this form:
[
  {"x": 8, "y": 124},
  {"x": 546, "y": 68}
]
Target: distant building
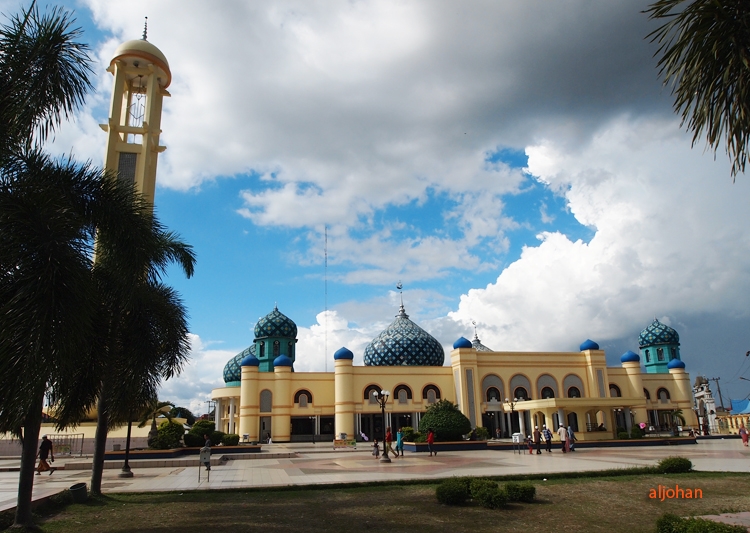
[{"x": 705, "y": 406}]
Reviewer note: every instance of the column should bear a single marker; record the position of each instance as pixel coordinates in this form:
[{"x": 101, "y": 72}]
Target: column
[
  {"x": 521, "y": 424},
  {"x": 561, "y": 418},
  {"x": 343, "y": 391},
  {"x": 232, "y": 407},
  {"x": 628, "y": 421}
]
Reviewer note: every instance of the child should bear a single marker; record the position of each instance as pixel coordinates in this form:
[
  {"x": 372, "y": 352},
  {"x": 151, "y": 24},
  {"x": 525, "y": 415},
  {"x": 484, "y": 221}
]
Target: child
[
  {"x": 530, "y": 442},
  {"x": 375, "y": 448}
]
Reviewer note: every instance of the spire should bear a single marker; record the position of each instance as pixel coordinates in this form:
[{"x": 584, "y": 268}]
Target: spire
[
  {"x": 145, "y": 29},
  {"x": 401, "y": 311}
]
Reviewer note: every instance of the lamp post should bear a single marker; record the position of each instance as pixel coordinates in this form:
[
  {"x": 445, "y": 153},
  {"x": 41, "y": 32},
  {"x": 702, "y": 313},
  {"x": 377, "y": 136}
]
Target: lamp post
[
  {"x": 512, "y": 404},
  {"x": 312, "y": 419},
  {"x": 382, "y": 398}
]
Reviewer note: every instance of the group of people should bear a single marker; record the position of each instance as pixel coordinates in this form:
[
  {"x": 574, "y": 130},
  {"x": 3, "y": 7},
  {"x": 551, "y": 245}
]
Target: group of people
[
  {"x": 388, "y": 444},
  {"x": 567, "y": 438}
]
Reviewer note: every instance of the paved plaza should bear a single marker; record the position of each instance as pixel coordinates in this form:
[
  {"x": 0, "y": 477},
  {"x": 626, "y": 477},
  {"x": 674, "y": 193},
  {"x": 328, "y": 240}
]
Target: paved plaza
[{"x": 309, "y": 464}]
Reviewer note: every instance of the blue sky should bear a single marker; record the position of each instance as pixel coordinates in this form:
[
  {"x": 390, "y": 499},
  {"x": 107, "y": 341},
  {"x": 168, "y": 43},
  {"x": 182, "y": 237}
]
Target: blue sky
[{"x": 516, "y": 164}]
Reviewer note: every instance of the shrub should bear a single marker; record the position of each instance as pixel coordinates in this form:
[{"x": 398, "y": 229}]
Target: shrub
[
  {"x": 670, "y": 523},
  {"x": 203, "y": 427},
  {"x": 169, "y": 436},
  {"x": 193, "y": 441},
  {"x": 216, "y": 437},
  {"x": 452, "y": 491},
  {"x": 623, "y": 435},
  {"x": 487, "y": 493},
  {"x": 446, "y": 420},
  {"x": 408, "y": 433},
  {"x": 230, "y": 439},
  {"x": 483, "y": 433},
  {"x": 520, "y": 492},
  {"x": 636, "y": 433},
  {"x": 674, "y": 465}
]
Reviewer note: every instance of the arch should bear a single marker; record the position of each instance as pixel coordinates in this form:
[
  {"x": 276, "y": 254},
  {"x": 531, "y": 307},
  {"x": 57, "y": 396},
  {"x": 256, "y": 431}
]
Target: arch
[
  {"x": 520, "y": 393},
  {"x": 647, "y": 353},
  {"x": 431, "y": 393},
  {"x": 660, "y": 354},
  {"x": 266, "y": 401},
  {"x": 547, "y": 381},
  {"x": 493, "y": 394},
  {"x": 646, "y": 393},
  {"x": 368, "y": 395},
  {"x": 519, "y": 380},
  {"x": 402, "y": 393},
  {"x": 573, "y": 392},
  {"x": 614, "y": 391},
  {"x": 573, "y": 381},
  {"x": 672, "y": 353},
  {"x": 276, "y": 349},
  {"x": 547, "y": 393},
  {"x": 291, "y": 350},
  {"x": 663, "y": 395},
  {"x": 492, "y": 381},
  {"x": 303, "y": 397},
  {"x": 573, "y": 421},
  {"x": 262, "y": 350}
]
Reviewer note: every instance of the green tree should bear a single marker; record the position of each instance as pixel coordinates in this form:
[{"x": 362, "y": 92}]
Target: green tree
[
  {"x": 155, "y": 409},
  {"x": 705, "y": 57},
  {"x": 446, "y": 420},
  {"x": 184, "y": 412}
]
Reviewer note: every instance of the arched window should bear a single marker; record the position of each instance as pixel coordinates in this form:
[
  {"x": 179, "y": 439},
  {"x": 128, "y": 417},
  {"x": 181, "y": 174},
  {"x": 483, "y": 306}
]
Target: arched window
[
  {"x": 303, "y": 397},
  {"x": 574, "y": 392},
  {"x": 431, "y": 393},
  {"x": 547, "y": 392},
  {"x": 262, "y": 349},
  {"x": 371, "y": 393},
  {"x": 521, "y": 393},
  {"x": 672, "y": 353},
  {"x": 291, "y": 350},
  {"x": 266, "y": 401},
  {"x": 276, "y": 349},
  {"x": 646, "y": 394},
  {"x": 648, "y": 356},
  {"x": 493, "y": 395},
  {"x": 663, "y": 395},
  {"x": 614, "y": 391},
  {"x": 402, "y": 393},
  {"x": 660, "y": 354}
]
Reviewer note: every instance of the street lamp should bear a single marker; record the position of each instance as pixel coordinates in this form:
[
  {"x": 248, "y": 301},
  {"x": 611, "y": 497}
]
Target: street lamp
[
  {"x": 512, "y": 404},
  {"x": 382, "y": 398}
]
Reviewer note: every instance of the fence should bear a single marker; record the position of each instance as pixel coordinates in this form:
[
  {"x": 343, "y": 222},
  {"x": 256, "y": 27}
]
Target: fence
[{"x": 67, "y": 443}]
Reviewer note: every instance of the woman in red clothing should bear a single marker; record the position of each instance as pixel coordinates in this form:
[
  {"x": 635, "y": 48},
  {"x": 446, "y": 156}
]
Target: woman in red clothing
[
  {"x": 389, "y": 443},
  {"x": 431, "y": 441}
]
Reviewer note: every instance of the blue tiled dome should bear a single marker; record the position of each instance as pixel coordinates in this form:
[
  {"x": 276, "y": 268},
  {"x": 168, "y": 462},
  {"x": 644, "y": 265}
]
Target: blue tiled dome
[
  {"x": 250, "y": 360},
  {"x": 282, "y": 360},
  {"x": 462, "y": 342},
  {"x": 478, "y": 346},
  {"x": 233, "y": 370},
  {"x": 657, "y": 333},
  {"x": 275, "y": 324},
  {"x": 588, "y": 344},
  {"x": 630, "y": 357},
  {"x": 676, "y": 363},
  {"x": 404, "y": 343},
  {"x": 343, "y": 353}
]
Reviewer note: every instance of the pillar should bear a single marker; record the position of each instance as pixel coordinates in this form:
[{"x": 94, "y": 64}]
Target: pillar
[
  {"x": 249, "y": 404},
  {"x": 344, "y": 396},
  {"x": 281, "y": 420},
  {"x": 635, "y": 381},
  {"x": 232, "y": 408}
]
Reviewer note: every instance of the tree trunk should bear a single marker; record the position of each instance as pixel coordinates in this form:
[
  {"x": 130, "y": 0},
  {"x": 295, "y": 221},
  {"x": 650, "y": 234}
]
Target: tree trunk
[
  {"x": 33, "y": 422},
  {"x": 100, "y": 444}
]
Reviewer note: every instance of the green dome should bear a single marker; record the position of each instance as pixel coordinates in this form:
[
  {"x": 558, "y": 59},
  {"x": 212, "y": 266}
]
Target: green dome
[
  {"x": 275, "y": 324},
  {"x": 657, "y": 333}
]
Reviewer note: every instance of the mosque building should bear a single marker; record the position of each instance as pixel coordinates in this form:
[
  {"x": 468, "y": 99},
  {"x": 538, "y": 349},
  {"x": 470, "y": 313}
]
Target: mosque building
[{"x": 511, "y": 391}]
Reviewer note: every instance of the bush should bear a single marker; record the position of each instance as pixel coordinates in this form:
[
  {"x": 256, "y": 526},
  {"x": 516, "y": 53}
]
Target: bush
[
  {"x": 452, "y": 492},
  {"x": 674, "y": 465},
  {"x": 230, "y": 439},
  {"x": 216, "y": 437},
  {"x": 520, "y": 492},
  {"x": 193, "y": 441},
  {"x": 483, "y": 433},
  {"x": 670, "y": 523},
  {"x": 488, "y": 494},
  {"x": 446, "y": 420},
  {"x": 169, "y": 436},
  {"x": 203, "y": 427},
  {"x": 408, "y": 433},
  {"x": 636, "y": 433},
  {"x": 623, "y": 435}
]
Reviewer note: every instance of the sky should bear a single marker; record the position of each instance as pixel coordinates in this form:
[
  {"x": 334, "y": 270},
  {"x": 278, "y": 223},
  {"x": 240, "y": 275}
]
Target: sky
[{"x": 517, "y": 165}]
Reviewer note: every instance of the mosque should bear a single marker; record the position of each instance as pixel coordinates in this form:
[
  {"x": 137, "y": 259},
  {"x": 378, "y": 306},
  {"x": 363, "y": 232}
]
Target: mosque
[{"x": 511, "y": 391}]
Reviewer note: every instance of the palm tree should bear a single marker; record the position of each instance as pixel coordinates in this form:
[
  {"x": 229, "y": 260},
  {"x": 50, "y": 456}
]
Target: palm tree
[{"x": 705, "y": 56}]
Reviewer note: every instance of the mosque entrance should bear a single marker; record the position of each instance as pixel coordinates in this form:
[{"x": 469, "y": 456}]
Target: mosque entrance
[{"x": 265, "y": 428}]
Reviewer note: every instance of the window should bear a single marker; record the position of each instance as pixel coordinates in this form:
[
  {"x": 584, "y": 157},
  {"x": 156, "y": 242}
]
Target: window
[
  {"x": 402, "y": 396},
  {"x": 663, "y": 395},
  {"x": 431, "y": 396},
  {"x": 303, "y": 397},
  {"x": 262, "y": 349},
  {"x": 660, "y": 354},
  {"x": 291, "y": 350},
  {"x": 648, "y": 356},
  {"x": 547, "y": 392},
  {"x": 520, "y": 393},
  {"x": 614, "y": 391},
  {"x": 672, "y": 353},
  {"x": 402, "y": 393},
  {"x": 574, "y": 392},
  {"x": 266, "y": 401},
  {"x": 493, "y": 395},
  {"x": 371, "y": 393},
  {"x": 276, "y": 349},
  {"x": 431, "y": 393}
]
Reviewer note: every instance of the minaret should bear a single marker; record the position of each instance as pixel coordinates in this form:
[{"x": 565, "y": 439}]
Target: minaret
[{"x": 141, "y": 79}]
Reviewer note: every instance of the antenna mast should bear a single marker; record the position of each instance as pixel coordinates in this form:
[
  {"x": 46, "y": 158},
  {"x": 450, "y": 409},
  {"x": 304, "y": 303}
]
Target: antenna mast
[{"x": 325, "y": 320}]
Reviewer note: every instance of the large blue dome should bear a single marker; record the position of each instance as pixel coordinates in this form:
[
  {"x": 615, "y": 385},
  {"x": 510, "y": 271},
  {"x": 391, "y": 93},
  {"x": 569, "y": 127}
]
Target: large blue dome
[
  {"x": 233, "y": 368},
  {"x": 404, "y": 343},
  {"x": 275, "y": 324},
  {"x": 657, "y": 333}
]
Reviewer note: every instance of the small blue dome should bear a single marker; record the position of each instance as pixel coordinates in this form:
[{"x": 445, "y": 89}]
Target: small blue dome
[
  {"x": 250, "y": 360},
  {"x": 675, "y": 363},
  {"x": 630, "y": 357},
  {"x": 462, "y": 342},
  {"x": 588, "y": 344},
  {"x": 282, "y": 360},
  {"x": 343, "y": 353}
]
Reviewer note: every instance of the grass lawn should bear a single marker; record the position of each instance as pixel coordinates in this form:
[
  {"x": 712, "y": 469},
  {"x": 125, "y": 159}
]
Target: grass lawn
[{"x": 601, "y": 504}]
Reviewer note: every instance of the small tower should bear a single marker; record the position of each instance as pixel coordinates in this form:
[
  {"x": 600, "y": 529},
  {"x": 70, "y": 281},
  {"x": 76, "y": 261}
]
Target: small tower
[
  {"x": 142, "y": 76},
  {"x": 659, "y": 345},
  {"x": 275, "y": 335}
]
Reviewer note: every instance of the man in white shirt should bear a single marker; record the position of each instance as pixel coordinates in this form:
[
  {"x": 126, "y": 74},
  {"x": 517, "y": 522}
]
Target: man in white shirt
[{"x": 563, "y": 437}]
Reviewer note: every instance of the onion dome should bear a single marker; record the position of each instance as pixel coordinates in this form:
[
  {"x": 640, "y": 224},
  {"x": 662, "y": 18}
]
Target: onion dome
[
  {"x": 657, "y": 333},
  {"x": 630, "y": 357},
  {"x": 478, "y": 346},
  {"x": 675, "y": 363},
  {"x": 404, "y": 343},
  {"x": 140, "y": 52},
  {"x": 588, "y": 344},
  {"x": 343, "y": 353},
  {"x": 462, "y": 342},
  {"x": 233, "y": 368},
  {"x": 250, "y": 360},
  {"x": 282, "y": 360},
  {"x": 275, "y": 324}
]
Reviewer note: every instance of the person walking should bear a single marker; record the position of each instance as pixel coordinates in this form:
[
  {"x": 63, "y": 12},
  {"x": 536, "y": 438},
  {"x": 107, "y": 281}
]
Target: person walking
[
  {"x": 45, "y": 451},
  {"x": 431, "y": 441},
  {"x": 547, "y": 438},
  {"x": 530, "y": 444},
  {"x": 388, "y": 445},
  {"x": 399, "y": 442},
  {"x": 498, "y": 434},
  {"x": 563, "y": 433},
  {"x": 538, "y": 440},
  {"x": 571, "y": 439},
  {"x": 743, "y": 434},
  {"x": 207, "y": 448},
  {"x": 375, "y": 448}
]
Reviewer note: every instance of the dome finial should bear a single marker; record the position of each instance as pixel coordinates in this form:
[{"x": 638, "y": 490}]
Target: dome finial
[
  {"x": 476, "y": 337},
  {"x": 402, "y": 310},
  {"x": 145, "y": 29}
]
